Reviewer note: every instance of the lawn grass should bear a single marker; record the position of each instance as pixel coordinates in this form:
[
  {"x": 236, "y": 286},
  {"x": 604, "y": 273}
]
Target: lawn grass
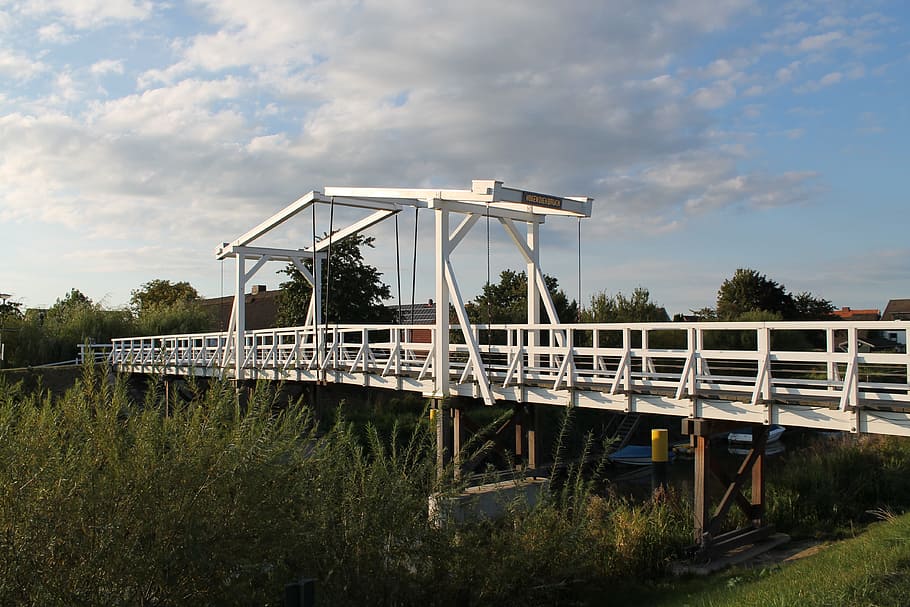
[{"x": 872, "y": 569}]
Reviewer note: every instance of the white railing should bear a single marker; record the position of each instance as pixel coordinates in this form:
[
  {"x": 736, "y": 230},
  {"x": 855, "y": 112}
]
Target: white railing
[
  {"x": 97, "y": 353},
  {"x": 754, "y": 363}
]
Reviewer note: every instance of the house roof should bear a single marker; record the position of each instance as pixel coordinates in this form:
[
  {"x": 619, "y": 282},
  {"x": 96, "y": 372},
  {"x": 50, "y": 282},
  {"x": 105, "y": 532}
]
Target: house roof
[
  {"x": 897, "y": 309},
  {"x": 422, "y": 313},
  {"x": 260, "y": 310},
  {"x": 847, "y": 313}
]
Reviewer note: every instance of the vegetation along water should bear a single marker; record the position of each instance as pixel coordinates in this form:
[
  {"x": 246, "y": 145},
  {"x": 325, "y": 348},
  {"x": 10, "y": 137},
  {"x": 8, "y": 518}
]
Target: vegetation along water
[{"x": 106, "y": 499}]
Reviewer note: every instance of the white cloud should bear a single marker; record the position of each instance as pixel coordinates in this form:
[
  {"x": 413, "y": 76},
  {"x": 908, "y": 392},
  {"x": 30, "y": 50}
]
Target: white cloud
[
  {"x": 55, "y": 33},
  {"x": 87, "y": 14},
  {"x": 18, "y": 66},
  {"x": 827, "y": 80},
  {"x": 714, "y": 96},
  {"x": 820, "y": 41},
  {"x": 107, "y": 66},
  {"x": 786, "y": 74},
  {"x": 869, "y": 124},
  {"x": 274, "y": 98},
  {"x": 694, "y": 183},
  {"x": 5, "y": 21}
]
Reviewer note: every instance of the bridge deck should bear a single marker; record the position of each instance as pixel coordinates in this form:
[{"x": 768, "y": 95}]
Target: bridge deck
[{"x": 799, "y": 374}]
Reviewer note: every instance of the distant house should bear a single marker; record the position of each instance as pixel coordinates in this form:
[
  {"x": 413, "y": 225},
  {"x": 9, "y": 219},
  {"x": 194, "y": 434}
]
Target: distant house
[
  {"x": 261, "y": 310},
  {"x": 897, "y": 309},
  {"x": 847, "y": 313},
  {"x": 874, "y": 342},
  {"x": 418, "y": 314}
]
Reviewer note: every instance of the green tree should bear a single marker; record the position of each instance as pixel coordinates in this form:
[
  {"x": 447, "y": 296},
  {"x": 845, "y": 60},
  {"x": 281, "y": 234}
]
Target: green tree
[
  {"x": 619, "y": 308},
  {"x": 10, "y": 311},
  {"x": 158, "y": 292},
  {"x": 750, "y": 291},
  {"x": 748, "y": 294},
  {"x": 704, "y": 314},
  {"x": 355, "y": 293},
  {"x": 507, "y": 300},
  {"x": 55, "y": 335},
  {"x": 808, "y": 307},
  {"x": 162, "y": 307}
]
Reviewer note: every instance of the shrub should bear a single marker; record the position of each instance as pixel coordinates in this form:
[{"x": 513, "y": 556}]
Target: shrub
[{"x": 108, "y": 501}]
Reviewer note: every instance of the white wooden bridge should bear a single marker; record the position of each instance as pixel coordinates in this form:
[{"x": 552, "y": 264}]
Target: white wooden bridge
[
  {"x": 816, "y": 377},
  {"x": 712, "y": 375},
  {"x": 808, "y": 374}
]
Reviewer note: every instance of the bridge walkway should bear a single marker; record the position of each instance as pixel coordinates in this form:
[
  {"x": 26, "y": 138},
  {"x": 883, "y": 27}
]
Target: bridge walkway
[{"x": 809, "y": 374}]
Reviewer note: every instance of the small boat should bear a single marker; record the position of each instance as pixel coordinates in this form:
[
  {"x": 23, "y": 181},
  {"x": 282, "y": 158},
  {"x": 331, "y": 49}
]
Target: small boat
[
  {"x": 744, "y": 435},
  {"x": 635, "y": 455},
  {"x": 771, "y": 449}
]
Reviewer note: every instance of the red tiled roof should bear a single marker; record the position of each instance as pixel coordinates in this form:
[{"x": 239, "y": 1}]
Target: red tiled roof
[{"x": 851, "y": 314}]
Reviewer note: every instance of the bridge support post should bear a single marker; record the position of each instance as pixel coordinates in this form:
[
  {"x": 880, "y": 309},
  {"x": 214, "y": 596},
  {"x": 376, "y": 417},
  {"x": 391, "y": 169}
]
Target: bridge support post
[
  {"x": 444, "y": 435},
  {"x": 708, "y": 530},
  {"x": 526, "y": 416}
]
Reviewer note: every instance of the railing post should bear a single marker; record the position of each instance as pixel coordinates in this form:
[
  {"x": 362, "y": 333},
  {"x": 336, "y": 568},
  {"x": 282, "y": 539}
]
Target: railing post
[
  {"x": 240, "y": 317},
  {"x": 441, "y": 337},
  {"x": 763, "y": 373},
  {"x": 830, "y": 366},
  {"x": 693, "y": 368},
  {"x": 627, "y": 372},
  {"x": 645, "y": 359}
]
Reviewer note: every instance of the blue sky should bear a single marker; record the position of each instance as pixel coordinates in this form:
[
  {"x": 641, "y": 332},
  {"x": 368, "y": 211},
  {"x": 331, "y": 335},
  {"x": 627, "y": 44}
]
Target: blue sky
[{"x": 135, "y": 136}]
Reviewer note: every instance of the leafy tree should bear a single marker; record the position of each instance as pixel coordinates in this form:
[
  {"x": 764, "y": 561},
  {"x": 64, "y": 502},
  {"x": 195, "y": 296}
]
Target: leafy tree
[
  {"x": 619, "y": 308},
  {"x": 748, "y": 294},
  {"x": 355, "y": 294},
  {"x": 10, "y": 310},
  {"x": 507, "y": 300},
  {"x": 178, "y": 317},
  {"x": 808, "y": 307},
  {"x": 158, "y": 292},
  {"x": 704, "y": 314},
  {"x": 750, "y": 291},
  {"x": 54, "y": 335},
  {"x": 162, "y": 307}
]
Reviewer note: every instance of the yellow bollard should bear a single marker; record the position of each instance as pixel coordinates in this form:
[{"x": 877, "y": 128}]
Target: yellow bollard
[
  {"x": 659, "y": 445},
  {"x": 659, "y": 459}
]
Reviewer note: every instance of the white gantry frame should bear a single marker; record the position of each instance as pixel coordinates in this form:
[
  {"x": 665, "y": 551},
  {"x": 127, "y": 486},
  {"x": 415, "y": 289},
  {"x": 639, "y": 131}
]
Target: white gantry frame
[{"x": 486, "y": 198}]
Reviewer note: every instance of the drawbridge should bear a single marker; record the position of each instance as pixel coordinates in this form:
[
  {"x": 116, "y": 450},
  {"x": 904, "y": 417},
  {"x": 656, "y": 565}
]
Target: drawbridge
[{"x": 712, "y": 375}]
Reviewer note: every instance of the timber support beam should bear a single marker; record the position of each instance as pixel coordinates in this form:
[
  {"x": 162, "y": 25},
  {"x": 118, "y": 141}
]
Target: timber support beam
[{"x": 710, "y": 537}]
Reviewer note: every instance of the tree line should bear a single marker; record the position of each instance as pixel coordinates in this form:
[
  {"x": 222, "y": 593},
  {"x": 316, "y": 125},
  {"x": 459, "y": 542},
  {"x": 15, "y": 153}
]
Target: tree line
[{"x": 353, "y": 291}]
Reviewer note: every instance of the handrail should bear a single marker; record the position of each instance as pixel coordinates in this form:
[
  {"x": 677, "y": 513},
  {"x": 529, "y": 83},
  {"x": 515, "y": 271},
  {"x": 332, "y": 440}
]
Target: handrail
[{"x": 812, "y": 363}]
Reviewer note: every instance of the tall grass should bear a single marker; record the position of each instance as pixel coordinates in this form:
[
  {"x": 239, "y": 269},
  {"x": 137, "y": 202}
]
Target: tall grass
[
  {"x": 837, "y": 483},
  {"x": 105, "y": 501}
]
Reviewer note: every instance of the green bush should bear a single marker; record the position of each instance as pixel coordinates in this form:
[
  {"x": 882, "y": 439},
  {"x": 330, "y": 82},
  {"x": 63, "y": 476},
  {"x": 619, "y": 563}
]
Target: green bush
[
  {"x": 107, "y": 501},
  {"x": 837, "y": 483}
]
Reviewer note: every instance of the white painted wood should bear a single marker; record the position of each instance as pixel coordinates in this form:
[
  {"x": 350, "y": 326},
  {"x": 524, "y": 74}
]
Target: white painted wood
[
  {"x": 441, "y": 345},
  {"x": 274, "y": 221},
  {"x": 354, "y": 228}
]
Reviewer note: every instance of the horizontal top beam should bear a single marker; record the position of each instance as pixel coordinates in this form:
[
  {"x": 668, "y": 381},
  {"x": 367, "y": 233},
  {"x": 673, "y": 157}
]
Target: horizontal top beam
[
  {"x": 271, "y": 253},
  {"x": 483, "y": 193}
]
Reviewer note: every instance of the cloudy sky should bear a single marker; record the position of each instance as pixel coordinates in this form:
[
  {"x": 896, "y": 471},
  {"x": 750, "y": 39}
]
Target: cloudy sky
[{"x": 137, "y": 135}]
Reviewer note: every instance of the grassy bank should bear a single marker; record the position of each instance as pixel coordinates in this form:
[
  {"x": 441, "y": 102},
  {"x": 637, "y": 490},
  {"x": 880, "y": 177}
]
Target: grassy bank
[
  {"x": 872, "y": 569},
  {"x": 108, "y": 501}
]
